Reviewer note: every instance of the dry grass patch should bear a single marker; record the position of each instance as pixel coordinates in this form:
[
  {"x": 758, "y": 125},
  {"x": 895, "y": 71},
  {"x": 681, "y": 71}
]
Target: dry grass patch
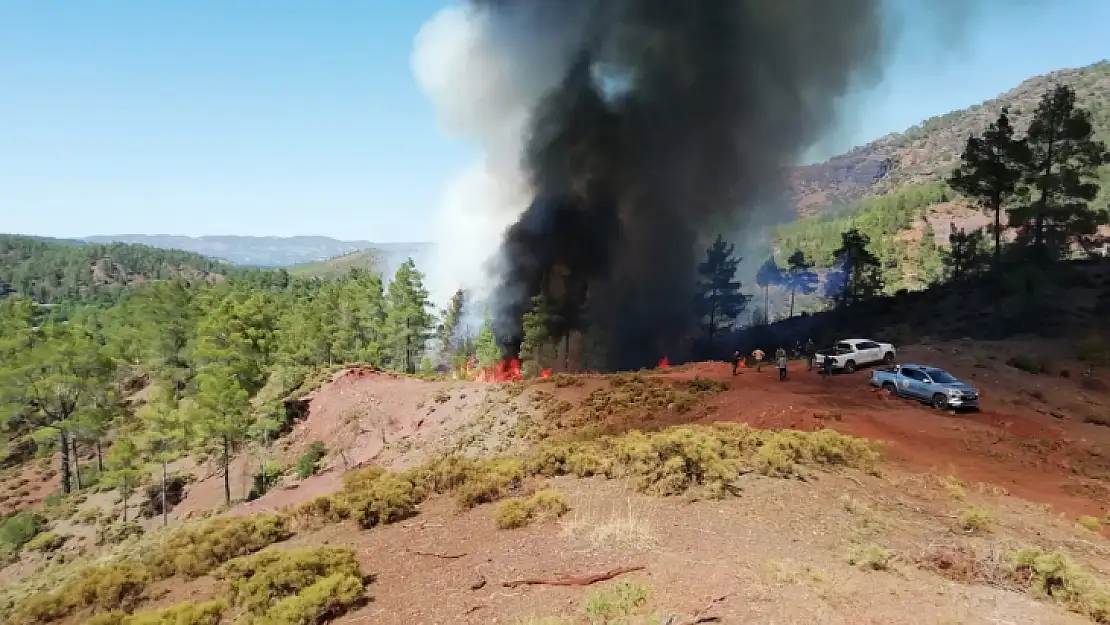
[{"x": 629, "y": 527}]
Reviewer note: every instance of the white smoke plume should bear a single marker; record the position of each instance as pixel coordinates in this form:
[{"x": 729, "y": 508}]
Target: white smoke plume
[{"x": 483, "y": 85}]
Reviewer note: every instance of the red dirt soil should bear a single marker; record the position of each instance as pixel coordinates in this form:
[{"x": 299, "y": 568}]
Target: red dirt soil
[
  {"x": 1042, "y": 451},
  {"x": 1035, "y": 457}
]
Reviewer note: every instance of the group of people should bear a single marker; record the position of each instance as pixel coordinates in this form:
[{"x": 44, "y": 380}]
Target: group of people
[{"x": 781, "y": 358}]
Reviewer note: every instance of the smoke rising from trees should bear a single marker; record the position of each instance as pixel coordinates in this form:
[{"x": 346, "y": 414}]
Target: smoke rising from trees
[{"x": 619, "y": 137}]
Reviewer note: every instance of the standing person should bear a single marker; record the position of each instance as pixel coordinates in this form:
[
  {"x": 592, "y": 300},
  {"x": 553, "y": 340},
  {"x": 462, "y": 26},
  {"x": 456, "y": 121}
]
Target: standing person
[
  {"x": 735, "y": 361},
  {"x": 811, "y": 354},
  {"x": 828, "y": 365},
  {"x": 780, "y": 362},
  {"x": 797, "y": 349},
  {"x": 758, "y": 355}
]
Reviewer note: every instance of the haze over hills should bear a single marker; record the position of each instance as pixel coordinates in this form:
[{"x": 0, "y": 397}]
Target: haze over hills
[{"x": 254, "y": 251}]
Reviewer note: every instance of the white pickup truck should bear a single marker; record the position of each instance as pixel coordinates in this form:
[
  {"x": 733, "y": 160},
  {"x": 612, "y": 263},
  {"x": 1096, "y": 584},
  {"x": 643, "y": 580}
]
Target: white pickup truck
[{"x": 850, "y": 354}]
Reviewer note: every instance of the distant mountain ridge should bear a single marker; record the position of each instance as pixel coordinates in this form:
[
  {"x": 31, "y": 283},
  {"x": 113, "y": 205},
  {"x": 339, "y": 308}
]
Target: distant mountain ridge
[{"x": 270, "y": 252}]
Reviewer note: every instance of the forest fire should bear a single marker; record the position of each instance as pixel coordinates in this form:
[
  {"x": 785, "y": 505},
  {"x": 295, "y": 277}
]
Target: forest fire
[
  {"x": 665, "y": 363},
  {"x": 505, "y": 371}
]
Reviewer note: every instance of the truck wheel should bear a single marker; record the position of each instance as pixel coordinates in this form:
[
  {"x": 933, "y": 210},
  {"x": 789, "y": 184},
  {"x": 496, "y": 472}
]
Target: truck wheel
[
  {"x": 850, "y": 366},
  {"x": 888, "y": 358},
  {"x": 890, "y": 389},
  {"x": 940, "y": 401}
]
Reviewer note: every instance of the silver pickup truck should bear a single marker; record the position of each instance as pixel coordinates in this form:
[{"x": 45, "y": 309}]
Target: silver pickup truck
[{"x": 928, "y": 384}]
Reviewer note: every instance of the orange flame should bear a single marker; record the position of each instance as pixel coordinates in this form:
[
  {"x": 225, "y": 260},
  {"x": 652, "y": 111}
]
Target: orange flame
[
  {"x": 504, "y": 371},
  {"x": 664, "y": 364},
  {"x": 546, "y": 373}
]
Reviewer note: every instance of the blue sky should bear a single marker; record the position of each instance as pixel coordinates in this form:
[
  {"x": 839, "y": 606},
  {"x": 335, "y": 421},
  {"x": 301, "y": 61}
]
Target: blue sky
[{"x": 288, "y": 117}]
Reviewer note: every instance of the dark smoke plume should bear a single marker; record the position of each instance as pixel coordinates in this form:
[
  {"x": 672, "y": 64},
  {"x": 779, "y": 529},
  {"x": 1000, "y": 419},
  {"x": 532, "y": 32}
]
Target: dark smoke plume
[{"x": 674, "y": 120}]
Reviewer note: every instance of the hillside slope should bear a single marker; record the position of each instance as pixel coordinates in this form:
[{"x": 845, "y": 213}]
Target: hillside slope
[
  {"x": 57, "y": 271},
  {"x": 929, "y": 150}
]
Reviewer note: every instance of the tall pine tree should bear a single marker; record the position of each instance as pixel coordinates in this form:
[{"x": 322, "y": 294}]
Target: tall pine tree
[
  {"x": 990, "y": 172},
  {"x": 799, "y": 277},
  {"x": 719, "y": 300},
  {"x": 408, "y": 320},
  {"x": 1062, "y": 170},
  {"x": 857, "y": 275}
]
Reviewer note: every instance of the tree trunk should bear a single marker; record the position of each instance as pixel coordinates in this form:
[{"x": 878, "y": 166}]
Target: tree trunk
[
  {"x": 165, "y": 511},
  {"x": 76, "y": 463},
  {"x": 566, "y": 352},
  {"x": 123, "y": 496},
  {"x": 227, "y": 470},
  {"x": 767, "y": 304},
  {"x": 63, "y": 446},
  {"x": 99, "y": 456},
  {"x": 792, "y": 289},
  {"x": 997, "y": 232}
]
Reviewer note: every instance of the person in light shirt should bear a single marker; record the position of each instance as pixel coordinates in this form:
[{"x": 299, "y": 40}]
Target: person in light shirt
[{"x": 758, "y": 356}]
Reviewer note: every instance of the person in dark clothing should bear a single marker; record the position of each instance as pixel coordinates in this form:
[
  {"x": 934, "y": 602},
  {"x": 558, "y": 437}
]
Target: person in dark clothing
[
  {"x": 735, "y": 362},
  {"x": 811, "y": 354},
  {"x": 797, "y": 350},
  {"x": 828, "y": 370}
]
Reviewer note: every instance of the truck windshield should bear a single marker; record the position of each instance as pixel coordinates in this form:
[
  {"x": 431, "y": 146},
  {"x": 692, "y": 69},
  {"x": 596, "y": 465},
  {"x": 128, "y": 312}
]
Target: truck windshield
[
  {"x": 843, "y": 347},
  {"x": 941, "y": 377}
]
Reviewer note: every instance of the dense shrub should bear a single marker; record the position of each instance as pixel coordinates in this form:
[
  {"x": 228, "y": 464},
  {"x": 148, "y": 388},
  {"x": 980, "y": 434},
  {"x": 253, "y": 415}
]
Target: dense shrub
[
  {"x": 116, "y": 533},
  {"x": 207, "y": 613},
  {"x": 309, "y": 462},
  {"x": 194, "y": 551},
  {"x": 266, "y": 478},
  {"x": 115, "y": 586},
  {"x": 18, "y": 529},
  {"x": 542, "y": 506},
  {"x": 295, "y": 586},
  {"x": 384, "y": 498},
  {"x": 1055, "y": 577},
  {"x": 46, "y": 542}
]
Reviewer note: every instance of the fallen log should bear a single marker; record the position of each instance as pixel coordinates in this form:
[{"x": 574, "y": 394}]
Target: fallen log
[{"x": 584, "y": 580}]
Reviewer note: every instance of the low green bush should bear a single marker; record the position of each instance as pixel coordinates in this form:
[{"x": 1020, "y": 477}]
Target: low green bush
[{"x": 309, "y": 462}]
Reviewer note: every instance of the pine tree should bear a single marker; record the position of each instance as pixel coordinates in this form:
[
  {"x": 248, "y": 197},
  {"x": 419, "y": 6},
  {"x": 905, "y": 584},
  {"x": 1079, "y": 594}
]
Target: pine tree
[
  {"x": 965, "y": 256},
  {"x": 168, "y": 433},
  {"x": 486, "y": 348},
  {"x": 857, "y": 275},
  {"x": 536, "y": 343},
  {"x": 928, "y": 256},
  {"x": 408, "y": 322},
  {"x": 221, "y": 406},
  {"x": 124, "y": 465},
  {"x": 799, "y": 277},
  {"x": 990, "y": 172},
  {"x": 1062, "y": 169},
  {"x": 768, "y": 275},
  {"x": 719, "y": 300},
  {"x": 448, "y": 332},
  {"x": 57, "y": 379}
]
